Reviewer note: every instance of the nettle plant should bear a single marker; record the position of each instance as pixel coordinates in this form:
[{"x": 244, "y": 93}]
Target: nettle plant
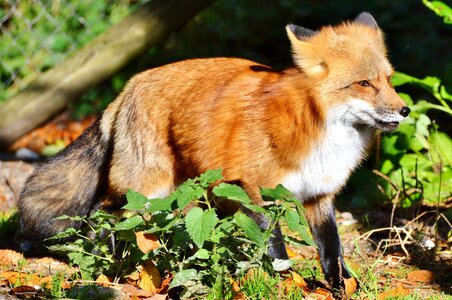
[
  {"x": 196, "y": 246},
  {"x": 418, "y": 157}
]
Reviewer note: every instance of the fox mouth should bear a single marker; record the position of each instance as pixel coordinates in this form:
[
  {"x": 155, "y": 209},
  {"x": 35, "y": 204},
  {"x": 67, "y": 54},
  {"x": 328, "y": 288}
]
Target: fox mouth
[{"x": 386, "y": 126}]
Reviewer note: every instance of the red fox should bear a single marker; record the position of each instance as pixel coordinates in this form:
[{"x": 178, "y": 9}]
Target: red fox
[{"x": 306, "y": 127}]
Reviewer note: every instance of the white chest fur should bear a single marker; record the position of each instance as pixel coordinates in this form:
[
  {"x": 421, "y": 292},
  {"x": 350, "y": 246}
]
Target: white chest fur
[{"x": 327, "y": 167}]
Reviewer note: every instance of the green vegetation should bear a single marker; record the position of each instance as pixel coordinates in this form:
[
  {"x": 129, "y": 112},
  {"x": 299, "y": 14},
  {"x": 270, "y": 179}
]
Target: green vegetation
[
  {"x": 201, "y": 250},
  {"x": 418, "y": 157},
  {"x": 9, "y": 222},
  {"x": 36, "y": 36},
  {"x": 414, "y": 163}
]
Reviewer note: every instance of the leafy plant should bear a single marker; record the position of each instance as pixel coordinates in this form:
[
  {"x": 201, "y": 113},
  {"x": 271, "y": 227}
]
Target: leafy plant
[
  {"x": 202, "y": 250},
  {"x": 419, "y": 168},
  {"x": 9, "y": 223},
  {"x": 441, "y": 9},
  {"x": 36, "y": 36},
  {"x": 56, "y": 289}
]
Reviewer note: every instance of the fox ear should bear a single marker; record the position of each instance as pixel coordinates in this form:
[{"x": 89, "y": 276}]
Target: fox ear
[
  {"x": 304, "y": 55},
  {"x": 366, "y": 19},
  {"x": 299, "y": 32}
]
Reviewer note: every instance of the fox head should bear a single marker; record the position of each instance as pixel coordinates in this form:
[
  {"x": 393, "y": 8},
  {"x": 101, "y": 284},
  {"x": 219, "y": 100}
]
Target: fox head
[{"x": 348, "y": 68}]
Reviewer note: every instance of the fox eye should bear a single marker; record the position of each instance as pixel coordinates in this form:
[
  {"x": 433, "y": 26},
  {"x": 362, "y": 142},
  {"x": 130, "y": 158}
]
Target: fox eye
[{"x": 364, "y": 83}]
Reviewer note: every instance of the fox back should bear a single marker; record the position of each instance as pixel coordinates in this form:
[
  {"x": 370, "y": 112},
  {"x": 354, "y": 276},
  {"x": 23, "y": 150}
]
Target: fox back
[{"x": 307, "y": 127}]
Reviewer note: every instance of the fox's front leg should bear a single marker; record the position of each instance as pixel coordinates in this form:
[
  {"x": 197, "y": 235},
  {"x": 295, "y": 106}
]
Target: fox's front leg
[{"x": 322, "y": 221}]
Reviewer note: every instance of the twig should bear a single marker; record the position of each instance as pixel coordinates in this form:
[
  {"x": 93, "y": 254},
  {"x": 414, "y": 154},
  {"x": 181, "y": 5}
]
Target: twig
[
  {"x": 97, "y": 282},
  {"x": 386, "y": 177}
]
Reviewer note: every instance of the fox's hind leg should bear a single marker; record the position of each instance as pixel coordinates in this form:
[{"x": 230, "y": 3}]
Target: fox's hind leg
[
  {"x": 321, "y": 218},
  {"x": 142, "y": 159}
]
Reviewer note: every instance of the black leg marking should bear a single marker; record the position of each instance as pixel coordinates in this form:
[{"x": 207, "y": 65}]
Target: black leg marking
[{"x": 329, "y": 245}]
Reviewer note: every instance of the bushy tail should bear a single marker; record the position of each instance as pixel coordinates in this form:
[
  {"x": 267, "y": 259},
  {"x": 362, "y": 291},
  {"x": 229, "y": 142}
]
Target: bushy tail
[{"x": 67, "y": 184}]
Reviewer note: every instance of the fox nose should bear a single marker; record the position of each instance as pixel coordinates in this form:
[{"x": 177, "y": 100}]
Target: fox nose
[{"x": 405, "y": 111}]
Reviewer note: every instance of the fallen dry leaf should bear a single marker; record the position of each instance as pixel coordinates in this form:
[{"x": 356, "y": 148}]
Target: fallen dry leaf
[
  {"x": 252, "y": 273},
  {"x": 424, "y": 276},
  {"x": 150, "y": 278},
  {"x": 133, "y": 278},
  {"x": 62, "y": 128},
  {"x": 17, "y": 278},
  {"x": 298, "y": 280},
  {"x": 24, "y": 291},
  {"x": 239, "y": 296},
  {"x": 235, "y": 285},
  {"x": 9, "y": 257},
  {"x": 147, "y": 241},
  {"x": 46, "y": 261},
  {"x": 355, "y": 266},
  {"x": 351, "y": 284},
  {"x": 399, "y": 291},
  {"x": 295, "y": 281},
  {"x": 165, "y": 284},
  {"x": 135, "y": 293},
  {"x": 320, "y": 294},
  {"x": 292, "y": 254},
  {"x": 157, "y": 297},
  {"x": 104, "y": 280}
]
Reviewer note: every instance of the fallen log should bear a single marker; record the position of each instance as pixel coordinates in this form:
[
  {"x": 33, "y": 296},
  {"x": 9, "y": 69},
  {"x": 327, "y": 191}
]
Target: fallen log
[{"x": 97, "y": 61}]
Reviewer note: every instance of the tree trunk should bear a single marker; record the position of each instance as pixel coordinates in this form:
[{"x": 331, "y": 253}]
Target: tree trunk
[{"x": 92, "y": 64}]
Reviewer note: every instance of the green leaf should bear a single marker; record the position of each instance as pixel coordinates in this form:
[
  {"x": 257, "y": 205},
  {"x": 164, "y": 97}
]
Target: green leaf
[
  {"x": 292, "y": 218},
  {"x": 199, "y": 224},
  {"x": 251, "y": 229},
  {"x": 182, "y": 277},
  {"x": 301, "y": 212},
  {"x": 255, "y": 208},
  {"x": 386, "y": 166},
  {"x": 51, "y": 150},
  {"x": 405, "y": 139},
  {"x": 441, "y": 9},
  {"x": 86, "y": 263},
  {"x": 202, "y": 254},
  {"x": 388, "y": 144},
  {"x": 72, "y": 247},
  {"x": 224, "y": 229},
  {"x": 444, "y": 94},
  {"x": 407, "y": 98},
  {"x": 279, "y": 192},
  {"x": 232, "y": 192},
  {"x": 210, "y": 177},
  {"x": 298, "y": 223},
  {"x": 186, "y": 193},
  {"x": 422, "y": 125},
  {"x": 135, "y": 200},
  {"x": 429, "y": 83},
  {"x": 442, "y": 148},
  {"x": 161, "y": 204},
  {"x": 129, "y": 223},
  {"x": 66, "y": 217},
  {"x": 421, "y": 107},
  {"x": 303, "y": 232}
]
